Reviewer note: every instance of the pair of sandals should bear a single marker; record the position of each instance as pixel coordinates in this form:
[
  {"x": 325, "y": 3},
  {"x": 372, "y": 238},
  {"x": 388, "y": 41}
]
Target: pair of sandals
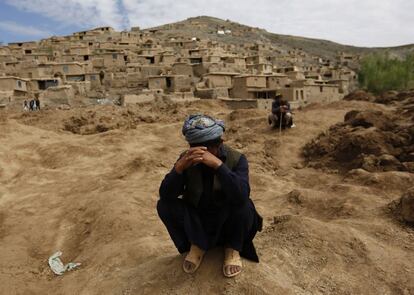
[{"x": 232, "y": 265}]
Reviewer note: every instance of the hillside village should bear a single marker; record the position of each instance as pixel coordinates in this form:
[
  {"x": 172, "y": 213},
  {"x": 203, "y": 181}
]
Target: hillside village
[
  {"x": 103, "y": 66},
  {"x": 81, "y": 177}
]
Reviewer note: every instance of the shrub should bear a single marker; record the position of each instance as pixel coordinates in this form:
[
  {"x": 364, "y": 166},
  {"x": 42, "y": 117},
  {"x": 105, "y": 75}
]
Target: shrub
[{"x": 380, "y": 73}]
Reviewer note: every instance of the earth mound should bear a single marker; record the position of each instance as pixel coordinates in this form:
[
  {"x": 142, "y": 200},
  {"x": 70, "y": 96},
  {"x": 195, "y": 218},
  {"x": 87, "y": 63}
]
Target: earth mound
[
  {"x": 393, "y": 97},
  {"x": 360, "y": 95},
  {"x": 372, "y": 140},
  {"x": 403, "y": 208}
]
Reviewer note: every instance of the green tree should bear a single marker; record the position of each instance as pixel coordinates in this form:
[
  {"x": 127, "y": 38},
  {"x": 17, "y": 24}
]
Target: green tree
[{"x": 380, "y": 72}]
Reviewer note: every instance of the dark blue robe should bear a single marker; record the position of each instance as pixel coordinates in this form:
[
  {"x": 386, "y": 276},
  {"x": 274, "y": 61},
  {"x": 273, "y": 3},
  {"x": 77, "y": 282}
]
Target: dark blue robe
[{"x": 232, "y": 222}]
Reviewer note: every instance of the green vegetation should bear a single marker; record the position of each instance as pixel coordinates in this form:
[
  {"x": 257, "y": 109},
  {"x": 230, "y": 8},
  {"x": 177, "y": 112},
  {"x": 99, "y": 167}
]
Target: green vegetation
[{"x": 380, "y": 72}]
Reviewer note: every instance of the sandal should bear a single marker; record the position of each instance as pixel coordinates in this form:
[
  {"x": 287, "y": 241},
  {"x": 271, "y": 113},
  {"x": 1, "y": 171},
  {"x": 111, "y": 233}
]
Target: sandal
[
  {"x": 231, "y": 258},
  {"x": 194, "y": 258}
]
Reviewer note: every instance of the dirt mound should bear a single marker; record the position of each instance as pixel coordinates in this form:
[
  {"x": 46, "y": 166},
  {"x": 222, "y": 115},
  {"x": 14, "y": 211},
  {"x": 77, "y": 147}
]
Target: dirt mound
[
  {"x": 407, "y": 206},
  {"x": 329, "y": 250},
  {"x": 93, "y": 121},
  {"x": 102, "y": 118},
  {"x": 360, "y": 95},
  {"x": 403, "y": 208},
  {"x": 393, "y": 97},
  {"x": 372, "y": 140}
]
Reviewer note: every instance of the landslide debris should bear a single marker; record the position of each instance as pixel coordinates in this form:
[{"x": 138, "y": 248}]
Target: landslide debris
[{"x": 373, "y": 140}]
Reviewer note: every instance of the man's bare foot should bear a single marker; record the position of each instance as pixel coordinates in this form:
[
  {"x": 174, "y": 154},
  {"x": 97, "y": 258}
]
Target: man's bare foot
[
  {"x": 232, "y": 263},
  {"x": 193, "y": 259}
]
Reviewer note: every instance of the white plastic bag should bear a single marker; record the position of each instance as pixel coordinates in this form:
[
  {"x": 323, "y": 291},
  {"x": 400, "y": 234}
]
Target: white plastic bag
[{"x": 57, "y": 265}]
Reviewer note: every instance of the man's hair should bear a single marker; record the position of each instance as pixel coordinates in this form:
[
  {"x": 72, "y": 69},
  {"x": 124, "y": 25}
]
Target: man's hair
[{"x": 211, "y": 143}]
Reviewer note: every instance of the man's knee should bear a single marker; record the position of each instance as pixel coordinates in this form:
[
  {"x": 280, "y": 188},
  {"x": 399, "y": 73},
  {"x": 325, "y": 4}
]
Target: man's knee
[
  {"x": 163, "y": 209},
  {"x": 170, "y": 209},
  {"x": 241, "y": 213}
]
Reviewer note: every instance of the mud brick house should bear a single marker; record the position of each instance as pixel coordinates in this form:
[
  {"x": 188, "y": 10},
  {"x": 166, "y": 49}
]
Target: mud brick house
[
  {"x": 251, "y": 87},
  {"x": 105, "y": 61},
  {"x": 170, "y": 83},
  {"x": 219, "y": 79}
]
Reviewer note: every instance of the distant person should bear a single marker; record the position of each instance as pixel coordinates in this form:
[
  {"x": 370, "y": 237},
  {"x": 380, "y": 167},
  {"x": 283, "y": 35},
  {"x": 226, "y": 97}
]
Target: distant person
[
  {"x": 37, "y": 103},
  {"x": 31, "y": 105},
  {"x": 25, "y": 106},
  {"x": 280, "y": 111},
  {"x": 204, "y": 200}
]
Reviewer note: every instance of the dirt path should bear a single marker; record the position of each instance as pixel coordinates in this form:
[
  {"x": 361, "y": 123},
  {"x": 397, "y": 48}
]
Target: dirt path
[{"x": 93, "y": 197}]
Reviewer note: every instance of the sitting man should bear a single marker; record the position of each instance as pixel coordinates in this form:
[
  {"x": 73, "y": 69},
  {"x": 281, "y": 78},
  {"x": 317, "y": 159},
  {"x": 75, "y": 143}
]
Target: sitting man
[
  {"x": 204, "y": 200},
  {"x": 280, "y": 110}
]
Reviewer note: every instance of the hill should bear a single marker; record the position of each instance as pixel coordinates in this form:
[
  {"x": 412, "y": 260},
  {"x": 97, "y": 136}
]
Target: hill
[{"x": 206, "y": 27}]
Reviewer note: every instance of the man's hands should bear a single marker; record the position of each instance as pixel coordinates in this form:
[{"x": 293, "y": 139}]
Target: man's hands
[
  {"x": 211, "y": 160},
  {"x": 197, "y": 155},
  {"x": 191, "y": 157}
]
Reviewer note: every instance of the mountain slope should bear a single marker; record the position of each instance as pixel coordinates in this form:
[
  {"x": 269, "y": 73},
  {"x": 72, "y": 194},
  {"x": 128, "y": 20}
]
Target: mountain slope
[{"x": 206, "y": 27}]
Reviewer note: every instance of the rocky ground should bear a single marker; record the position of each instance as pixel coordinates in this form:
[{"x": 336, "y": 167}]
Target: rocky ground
[{"x": 85, "y": 181}]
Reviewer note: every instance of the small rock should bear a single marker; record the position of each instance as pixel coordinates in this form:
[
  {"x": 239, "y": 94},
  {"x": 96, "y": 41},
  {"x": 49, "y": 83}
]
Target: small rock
[
  {"x": 299, "y": 166},
  {"x": 296, "y": 197},
  {"x": 407, "y": 205},
  {"x": 409, "y": 166},
  {"x": 281, "y": 219}
]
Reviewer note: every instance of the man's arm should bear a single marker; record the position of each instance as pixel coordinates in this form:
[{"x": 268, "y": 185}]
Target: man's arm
[
  {"x": 172, "y": 186},
  {"x": 235, "y": 184},
  {"x": 275, "y": 108},
  {"x": 288, "y": 106}
]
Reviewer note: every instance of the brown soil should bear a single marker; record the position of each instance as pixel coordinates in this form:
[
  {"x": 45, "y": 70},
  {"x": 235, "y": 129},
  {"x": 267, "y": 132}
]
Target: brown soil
[
  {"x": 360, "y": 95},
  {"x": 93, "y": 197},
  {"x": 375, "y": 140}
]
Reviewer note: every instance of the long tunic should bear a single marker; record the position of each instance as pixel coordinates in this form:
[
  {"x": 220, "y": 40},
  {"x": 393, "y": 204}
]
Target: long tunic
[{"x": 231, "y": 220}]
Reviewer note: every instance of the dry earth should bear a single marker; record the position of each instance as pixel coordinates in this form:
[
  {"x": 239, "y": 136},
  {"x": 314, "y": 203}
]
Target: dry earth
[{"x": 85, "y": 181}]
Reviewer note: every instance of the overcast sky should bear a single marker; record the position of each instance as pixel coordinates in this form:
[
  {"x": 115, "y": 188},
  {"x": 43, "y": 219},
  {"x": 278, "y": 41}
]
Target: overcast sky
[{"x": 354, "y": 22}]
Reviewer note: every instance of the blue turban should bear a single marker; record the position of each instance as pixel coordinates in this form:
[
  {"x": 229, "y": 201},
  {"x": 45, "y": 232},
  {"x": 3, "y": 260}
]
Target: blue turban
[{"x": 202, "y": 128}]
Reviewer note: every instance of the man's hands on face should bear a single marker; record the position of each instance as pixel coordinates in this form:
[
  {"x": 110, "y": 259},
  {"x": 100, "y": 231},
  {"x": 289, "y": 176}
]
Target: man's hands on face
[
  {"x": 197, "y": 155},
  {"x": 211, "y": 160}
]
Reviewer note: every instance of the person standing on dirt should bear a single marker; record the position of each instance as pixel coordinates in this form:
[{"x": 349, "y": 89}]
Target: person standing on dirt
[
  {"x": 25, "y": 106},
  {"x": 31, "y": 104},
  {"x": 280, "y": 110},
  {"x": 37, "y": 103},
  {"x": 205, "y": 199}
]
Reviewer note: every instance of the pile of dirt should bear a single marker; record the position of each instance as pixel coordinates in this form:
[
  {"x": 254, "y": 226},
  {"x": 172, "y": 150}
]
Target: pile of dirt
[
  {"x": 394, "y": 97},
  {"x": 403, "y": 208},
  {"x": 102, "y": 118},
  {"x": 93, "y": 121},
  {"x": 372, "y": 140},
  {"x": 399, "y": 99},
  {"x": 360, "y": 95},
  {"x": 105, "y": 118}
]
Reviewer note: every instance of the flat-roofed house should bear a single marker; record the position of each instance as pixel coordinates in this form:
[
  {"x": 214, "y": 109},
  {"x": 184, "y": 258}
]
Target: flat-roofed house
[
  {"x": 12, "y": 88},
  {"x": 170, "y": 83},
  {"x": 15, "y": 84},
  {"x": 183, "y": 69},
  {"x": 251, "y": 87},
  {"x": 219, "y": 79}
]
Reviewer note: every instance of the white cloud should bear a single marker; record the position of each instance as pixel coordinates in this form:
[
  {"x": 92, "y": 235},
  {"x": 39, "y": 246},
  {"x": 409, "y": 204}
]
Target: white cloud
[
  {"x": 79, "y": 13},
  {"x": 355, "y": 22},
  {"x": 15, "y": 28}
]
